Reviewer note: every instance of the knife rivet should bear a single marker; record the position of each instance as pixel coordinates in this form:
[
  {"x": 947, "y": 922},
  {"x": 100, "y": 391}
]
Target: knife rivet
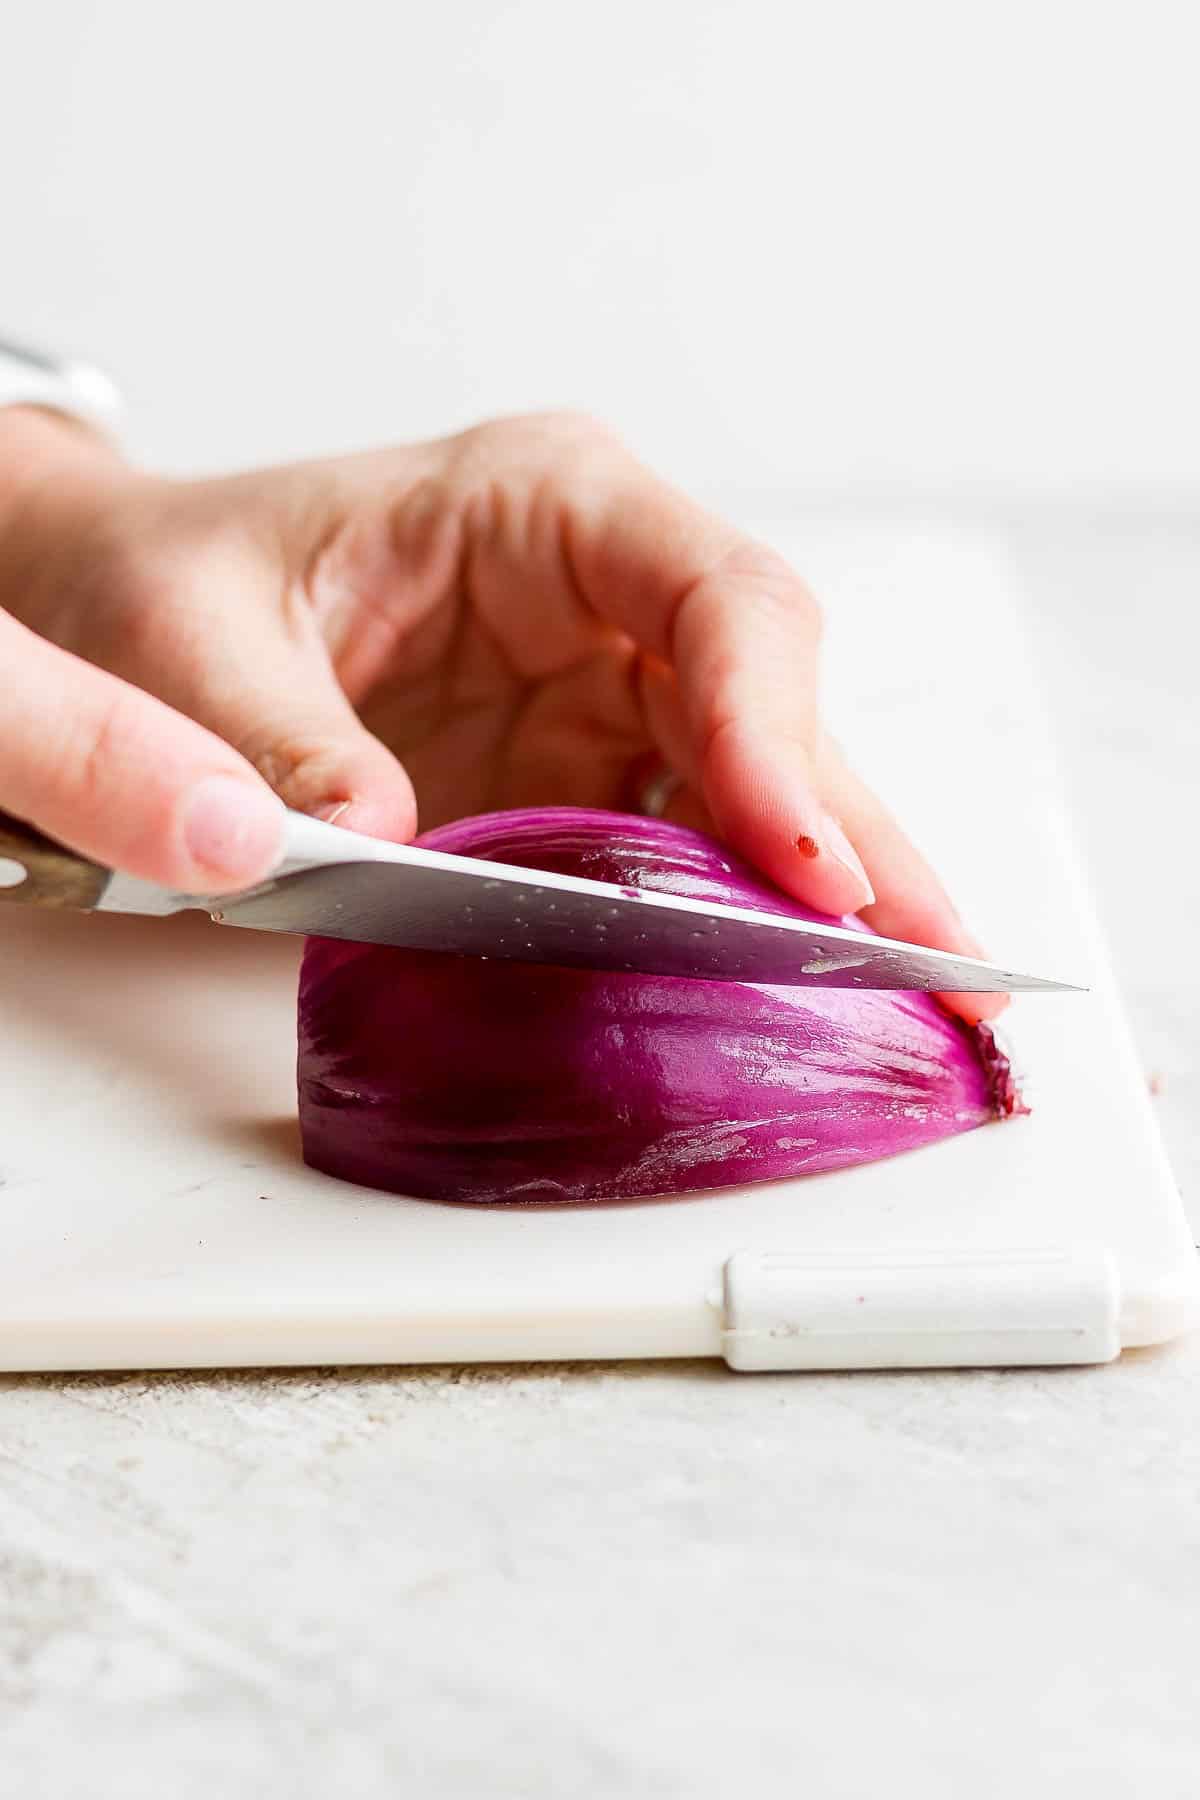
[{"x": 12, "y": 873}]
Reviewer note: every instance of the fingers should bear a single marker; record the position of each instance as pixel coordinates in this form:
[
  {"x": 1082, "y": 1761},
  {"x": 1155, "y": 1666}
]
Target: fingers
[
  {"x": 739, "y": 634},
  {"x": 729, "y": 689},
  {"x": 220, "y": 648},
  {"x": 123, "y": 779},
  {"x": 310, "y": 745},
  {"x": 911, "y": 903}
]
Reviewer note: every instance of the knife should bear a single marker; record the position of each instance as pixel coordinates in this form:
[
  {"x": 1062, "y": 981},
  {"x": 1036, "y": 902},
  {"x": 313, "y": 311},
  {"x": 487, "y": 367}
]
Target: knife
[{"x": 334, "y": 883}]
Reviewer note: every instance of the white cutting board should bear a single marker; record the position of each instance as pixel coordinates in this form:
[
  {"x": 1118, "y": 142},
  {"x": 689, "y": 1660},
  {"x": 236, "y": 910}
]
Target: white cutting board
[{"x": 156, "y": 1211}]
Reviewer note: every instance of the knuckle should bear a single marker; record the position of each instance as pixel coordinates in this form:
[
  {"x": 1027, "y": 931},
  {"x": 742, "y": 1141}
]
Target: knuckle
[
  {"x": 572, "y": 426},
  {"x": 731, "y": 728},
  {"x": 759, "y": 587},
  {"x": 723, "y": 729},
  {"x": 536, "y": 459},
  {"x": 101, "y": 751},
  {"x": 302, "y": 765},
  {"x": 535, "y": 435},
  {"x": 779, "y": 593}
]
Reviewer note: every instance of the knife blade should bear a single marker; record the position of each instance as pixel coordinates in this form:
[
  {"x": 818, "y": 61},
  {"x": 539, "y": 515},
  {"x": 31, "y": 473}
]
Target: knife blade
[{"x": 334, "y": 883}]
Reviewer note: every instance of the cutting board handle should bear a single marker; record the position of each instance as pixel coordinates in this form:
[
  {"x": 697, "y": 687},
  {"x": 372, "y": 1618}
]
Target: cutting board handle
[{"x": 35, "y": 871}]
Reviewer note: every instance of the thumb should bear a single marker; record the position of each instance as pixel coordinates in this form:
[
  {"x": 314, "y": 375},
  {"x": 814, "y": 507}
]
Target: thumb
[{"x": 121, "y": 778}]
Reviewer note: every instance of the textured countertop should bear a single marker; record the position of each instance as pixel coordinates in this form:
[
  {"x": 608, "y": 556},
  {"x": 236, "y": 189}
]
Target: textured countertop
[{"x": 668, "y": 1580}]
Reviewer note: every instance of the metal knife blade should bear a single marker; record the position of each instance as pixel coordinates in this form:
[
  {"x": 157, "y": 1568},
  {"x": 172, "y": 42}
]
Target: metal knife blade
[
  {"x": 334, "y": 883},
  {"x": 487, "y": 909},
  {"x": 337, "y": 884}
]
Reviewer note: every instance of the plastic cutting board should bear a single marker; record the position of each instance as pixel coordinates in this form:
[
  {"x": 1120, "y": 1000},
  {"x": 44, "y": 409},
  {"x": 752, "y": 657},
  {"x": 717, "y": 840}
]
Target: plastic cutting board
[{"x": 156, "y": 1212}]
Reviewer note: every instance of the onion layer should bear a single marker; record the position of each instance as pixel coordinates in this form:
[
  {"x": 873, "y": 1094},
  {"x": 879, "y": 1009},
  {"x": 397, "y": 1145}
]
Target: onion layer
[{"x": 454, "y": 1078}]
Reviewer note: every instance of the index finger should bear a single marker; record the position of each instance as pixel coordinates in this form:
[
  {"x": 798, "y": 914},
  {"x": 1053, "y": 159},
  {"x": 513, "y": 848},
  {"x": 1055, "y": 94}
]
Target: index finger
[{"x": 741, "y": 632}]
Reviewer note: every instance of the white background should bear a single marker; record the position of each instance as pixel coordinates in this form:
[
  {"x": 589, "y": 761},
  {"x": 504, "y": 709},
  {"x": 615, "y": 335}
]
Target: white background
[{"x": 937, "y": 245}]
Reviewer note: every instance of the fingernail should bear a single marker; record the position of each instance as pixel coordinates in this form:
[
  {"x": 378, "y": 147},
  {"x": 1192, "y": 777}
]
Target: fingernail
[
  {"x": 369, "y": 818},
  {"x": 351, "y": 815},
  {"x": 843, "y": 851},
  {"x": 233, "y": 829}
]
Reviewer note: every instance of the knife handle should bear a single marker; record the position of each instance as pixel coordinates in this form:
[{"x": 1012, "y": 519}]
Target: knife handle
[{"x": 36, "y": 871}]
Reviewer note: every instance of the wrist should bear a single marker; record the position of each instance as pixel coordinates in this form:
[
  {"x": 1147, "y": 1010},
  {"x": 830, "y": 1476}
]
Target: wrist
[
  {"x": 36, "y": 443},
  {"x": 52, "y": 459}
]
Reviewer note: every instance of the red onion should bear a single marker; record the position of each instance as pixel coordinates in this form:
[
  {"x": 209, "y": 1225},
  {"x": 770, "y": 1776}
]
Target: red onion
[{"x": 460, "y": 1079}]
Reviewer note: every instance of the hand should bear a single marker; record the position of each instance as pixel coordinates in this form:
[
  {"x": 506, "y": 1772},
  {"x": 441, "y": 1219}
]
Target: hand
[{"x": 520, "y": 614}]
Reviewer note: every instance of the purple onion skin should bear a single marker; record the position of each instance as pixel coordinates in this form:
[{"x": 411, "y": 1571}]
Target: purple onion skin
[{"x": 452, "y": 1078}]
